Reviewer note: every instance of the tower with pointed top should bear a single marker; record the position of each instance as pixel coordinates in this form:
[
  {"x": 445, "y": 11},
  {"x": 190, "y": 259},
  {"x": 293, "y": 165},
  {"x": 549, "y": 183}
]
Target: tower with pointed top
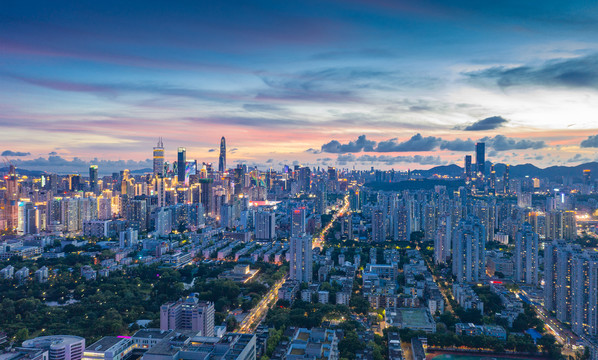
[
  {"x": 159, "y": 159},
  {"x": 222, "y": 157}
]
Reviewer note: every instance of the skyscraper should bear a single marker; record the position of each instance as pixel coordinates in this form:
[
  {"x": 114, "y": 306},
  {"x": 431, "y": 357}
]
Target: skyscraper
[
  {"x": 468, "y": 166},
  {"x": 11, "y": 199},
  {"x": 301, "y": 258},
  {"x": 93, "y": 178},
  {"x": 298, "y": 222},
  {"x": 480, "y": 157},
  {"x": 159, "y": 159},
  {"x": 181, "y": 161},
  {"x": 222, "y": 157}
]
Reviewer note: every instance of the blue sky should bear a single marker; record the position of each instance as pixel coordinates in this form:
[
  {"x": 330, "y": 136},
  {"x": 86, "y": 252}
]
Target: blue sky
[{"x": 283, "y": 79}]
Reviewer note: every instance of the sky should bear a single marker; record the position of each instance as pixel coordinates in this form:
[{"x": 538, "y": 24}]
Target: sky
[{"x": 346, "y": 83}]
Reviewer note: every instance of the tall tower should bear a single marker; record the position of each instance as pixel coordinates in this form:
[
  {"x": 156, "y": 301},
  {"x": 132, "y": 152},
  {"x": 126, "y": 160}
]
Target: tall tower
[
  {"x": 480, "y": 157},
  {"x": 159, "y": 159},
  {"x": 181, "y": 162},
  {"x": 222, "y": 157},
  {"x": 93, "y": 178},
  {"x": 11, "y": 199}
]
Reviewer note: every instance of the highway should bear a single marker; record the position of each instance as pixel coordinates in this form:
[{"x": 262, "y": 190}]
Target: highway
[
  {"x": 258, "y": 313},
  {"x": 319, "y": 241}
]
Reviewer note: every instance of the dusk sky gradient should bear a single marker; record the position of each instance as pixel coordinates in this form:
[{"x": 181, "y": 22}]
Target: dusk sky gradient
[{"x": 391, "y": 84}]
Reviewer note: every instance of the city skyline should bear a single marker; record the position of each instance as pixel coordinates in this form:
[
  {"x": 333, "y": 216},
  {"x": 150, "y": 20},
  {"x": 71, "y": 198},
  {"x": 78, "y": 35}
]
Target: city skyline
[{"x": 384, "y": 84}]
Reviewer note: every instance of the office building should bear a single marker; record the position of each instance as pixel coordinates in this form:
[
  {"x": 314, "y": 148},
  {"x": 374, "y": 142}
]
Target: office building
[
  {"x": 222, "y": 157},
  {"x": 188, "y": 314},
  {"x": 110, "y": 348},
  {"x": 301, "y": 258},
  {"x": 11, "y": 199},
  {"x": 59, "y": 347},
  {"x": 480, "y": 158},
  {"x": 159, "y": 159},
  {"x": 93, "y": 179},
  {"x": 181, "y": 162},
  {"x": 468, "y": 166}
]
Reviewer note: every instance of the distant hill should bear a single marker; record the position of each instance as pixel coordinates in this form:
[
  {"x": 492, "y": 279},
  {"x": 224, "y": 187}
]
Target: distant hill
[
  {"x": 449, "y": 170},
  {"x": 516, "y": 171},
  {"x": 142, "y": 171},
  {"x": 23, "y": 172}
]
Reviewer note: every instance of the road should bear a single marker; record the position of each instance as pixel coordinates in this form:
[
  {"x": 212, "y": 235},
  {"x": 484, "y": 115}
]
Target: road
[
  {"x": 443, "y": 289},
  {"x": 562, "y": 335},
  {"x": 319, "y": 241},
  {"x": 257, "y": 314}
]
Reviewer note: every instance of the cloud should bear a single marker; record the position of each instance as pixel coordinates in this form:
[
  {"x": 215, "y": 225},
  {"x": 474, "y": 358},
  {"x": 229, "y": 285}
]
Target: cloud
[
  {"x": 428, "y": 143},
  {"x": 361, "y": 144},
  {"x": 458, "y": 145},
  {"x": 52, "y": 153},
  {"x": 590, "y": 142},
  {"x": 490, "y": 123},
  {"x": 577, "y": 72},
  {"x": 578, "y": 158},
  {"x": 503, "y": 143},
  {"x": 344, "y": 159},
  {"x": 269, "y": 161},
  {"x": 211, "y": 150},
  {"x": 14, "y": 153},
  {"x": 416, "y": 143}
]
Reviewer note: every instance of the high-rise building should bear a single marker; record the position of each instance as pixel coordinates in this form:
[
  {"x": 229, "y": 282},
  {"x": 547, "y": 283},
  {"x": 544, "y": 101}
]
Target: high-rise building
[
  {"x": 298, "y": 222},
  {"x": 11, "y": 199},
  {"x": 188, "y": 314},
  {"x": 480, "y": 158},
  {"x": 222, "y": 157},
  {"x": 378, "y": 226},
  {"x": 569, "y": 226},
  {"x": 526, "y": 255},
  {"x": 93, "y": 178},
  {"x": 265, "y": 225},
  {"x": 442, "y": 239},
  {"x": 571, "y": 286},
  {"x": 506, "y": 179},
  {"x": 75, "y": 182},
  {"x": 469, "y": 250},
  {"x": 159, "y": 159},
  {"x": 468, "y": 166},
  {"x": 301, "y": 258},
  {"x": 181, "y": 161}
]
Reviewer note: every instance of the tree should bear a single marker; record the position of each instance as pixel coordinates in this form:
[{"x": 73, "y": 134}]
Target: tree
[{"x": 22, "y": 334}]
